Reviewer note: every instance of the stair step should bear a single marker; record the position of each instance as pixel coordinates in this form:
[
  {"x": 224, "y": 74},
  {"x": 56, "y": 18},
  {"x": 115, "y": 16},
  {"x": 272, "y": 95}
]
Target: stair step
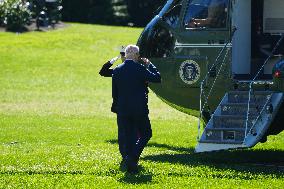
[
  {"x": 226, "y": 129},
  {"x": 252, "y": 104},
  {"x": 225, "y": 134},
  {"x": 232, "y": 121},
  {"x": 246, "y": 92},
  {"x": 220, "y": 142},
  {"x": 243, "y": 96},
  {"x": 240, "y": 109},
  {"x": 259, "y": 86}
]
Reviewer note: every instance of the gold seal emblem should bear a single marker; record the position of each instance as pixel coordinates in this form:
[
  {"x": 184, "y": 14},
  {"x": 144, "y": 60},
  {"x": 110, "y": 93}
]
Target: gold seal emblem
[{"x": 189, "y": 72}]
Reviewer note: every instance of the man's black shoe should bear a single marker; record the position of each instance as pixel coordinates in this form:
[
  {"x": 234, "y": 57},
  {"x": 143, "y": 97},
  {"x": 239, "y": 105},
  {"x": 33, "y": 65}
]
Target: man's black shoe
[
  {"x": 132, "y": 166},
  {"x": 123, "y": 165},
  {"x": 133, "y": 169}
]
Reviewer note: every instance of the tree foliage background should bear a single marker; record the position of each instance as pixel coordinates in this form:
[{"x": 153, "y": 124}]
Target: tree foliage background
[
  {"x": 142, "y": 11},
  {"x": 88, "y": 11},
  {"x": 116, "y": 12}
]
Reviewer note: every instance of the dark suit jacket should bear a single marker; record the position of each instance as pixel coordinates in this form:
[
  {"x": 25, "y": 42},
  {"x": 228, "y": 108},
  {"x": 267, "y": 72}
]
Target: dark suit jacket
[
  {"x": 106, "y": 71},
  {"x": 128, "y": 87}
]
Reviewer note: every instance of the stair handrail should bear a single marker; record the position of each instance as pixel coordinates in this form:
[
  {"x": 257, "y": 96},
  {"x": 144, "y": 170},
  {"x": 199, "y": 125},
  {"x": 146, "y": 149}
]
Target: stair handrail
[
  {"x": 201, "y": 108},
  {"x": 259, "y": 115},
  {"x": 213, "y": 84},
  {"x": 218, "y": 57},
  {"x": 252, "y": 82}
]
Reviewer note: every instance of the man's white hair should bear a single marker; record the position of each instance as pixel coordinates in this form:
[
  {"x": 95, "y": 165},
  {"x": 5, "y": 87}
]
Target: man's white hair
[{"x": 131, "y": 52}]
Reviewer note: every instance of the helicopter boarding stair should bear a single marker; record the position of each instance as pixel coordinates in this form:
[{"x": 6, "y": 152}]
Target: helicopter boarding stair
[
  {"x": 231, "y": 126},
  {"x": 243, "y": 116}
]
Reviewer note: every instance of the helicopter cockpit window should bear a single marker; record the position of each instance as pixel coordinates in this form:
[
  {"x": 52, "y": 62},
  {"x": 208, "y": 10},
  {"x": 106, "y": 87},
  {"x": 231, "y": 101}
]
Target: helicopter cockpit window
[
  {"x": 206, "y": 14},
  {"x": 161, "y": 43},
  {"x": 172, "y": 15}
]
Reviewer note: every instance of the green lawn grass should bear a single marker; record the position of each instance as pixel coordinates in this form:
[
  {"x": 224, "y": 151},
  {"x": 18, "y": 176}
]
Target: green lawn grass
[{"x": 56, "y": 129}]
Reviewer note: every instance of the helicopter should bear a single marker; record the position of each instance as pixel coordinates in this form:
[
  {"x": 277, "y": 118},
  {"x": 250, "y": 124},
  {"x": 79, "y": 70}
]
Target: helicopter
[{"x": 219, "y": 61}]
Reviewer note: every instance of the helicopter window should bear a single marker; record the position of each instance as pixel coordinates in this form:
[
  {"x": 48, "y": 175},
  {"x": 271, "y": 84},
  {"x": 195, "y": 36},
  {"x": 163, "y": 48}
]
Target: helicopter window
[
  {"x": 162, "y": 42},
  {"x": 172, "y": 15},
  {"x": 206, "y": 14}
]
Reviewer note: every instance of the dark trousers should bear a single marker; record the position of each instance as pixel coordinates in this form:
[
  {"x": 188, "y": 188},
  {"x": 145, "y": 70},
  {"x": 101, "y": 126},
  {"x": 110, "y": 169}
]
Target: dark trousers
[{"x": 128, "y": 127}]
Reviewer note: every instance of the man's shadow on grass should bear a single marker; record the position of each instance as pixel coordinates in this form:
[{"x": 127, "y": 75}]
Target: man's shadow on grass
[
  {"x": 268, "y": 162},
  {"x": 157, "y": 145},
  {"x": 141, "y": 178},
  {"x": 253, "y": 161}
]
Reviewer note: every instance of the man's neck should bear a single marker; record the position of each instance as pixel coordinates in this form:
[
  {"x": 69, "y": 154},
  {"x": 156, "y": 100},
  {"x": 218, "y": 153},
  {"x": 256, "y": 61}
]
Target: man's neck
[{"x": 131, "y": 60}]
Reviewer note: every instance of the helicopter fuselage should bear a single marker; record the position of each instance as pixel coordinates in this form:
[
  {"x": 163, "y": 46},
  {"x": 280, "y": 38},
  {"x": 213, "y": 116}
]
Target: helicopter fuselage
[{"x": 189, "y": 37}]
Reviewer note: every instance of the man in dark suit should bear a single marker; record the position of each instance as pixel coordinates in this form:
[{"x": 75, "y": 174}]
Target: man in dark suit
[
  {"x": 130, "y": 95},
  {"x": 107, "y": 71}
]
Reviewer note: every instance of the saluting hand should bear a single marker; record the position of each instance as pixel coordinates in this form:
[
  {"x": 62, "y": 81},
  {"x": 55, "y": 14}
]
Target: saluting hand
[{"x": 114, "y": 59}]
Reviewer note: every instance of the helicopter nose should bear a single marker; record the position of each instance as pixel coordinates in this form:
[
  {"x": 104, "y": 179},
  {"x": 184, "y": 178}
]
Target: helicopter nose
[
  {"x": 156, "y": 41},
  {"x": 145, "y": 37},
  {"x": 143, "y": 43}
]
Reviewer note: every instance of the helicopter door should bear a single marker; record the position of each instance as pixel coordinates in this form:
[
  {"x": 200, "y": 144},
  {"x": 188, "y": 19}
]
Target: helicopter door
[
  {"x": 205, "y": 31},
  {"x": 241, "y": 53}
]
